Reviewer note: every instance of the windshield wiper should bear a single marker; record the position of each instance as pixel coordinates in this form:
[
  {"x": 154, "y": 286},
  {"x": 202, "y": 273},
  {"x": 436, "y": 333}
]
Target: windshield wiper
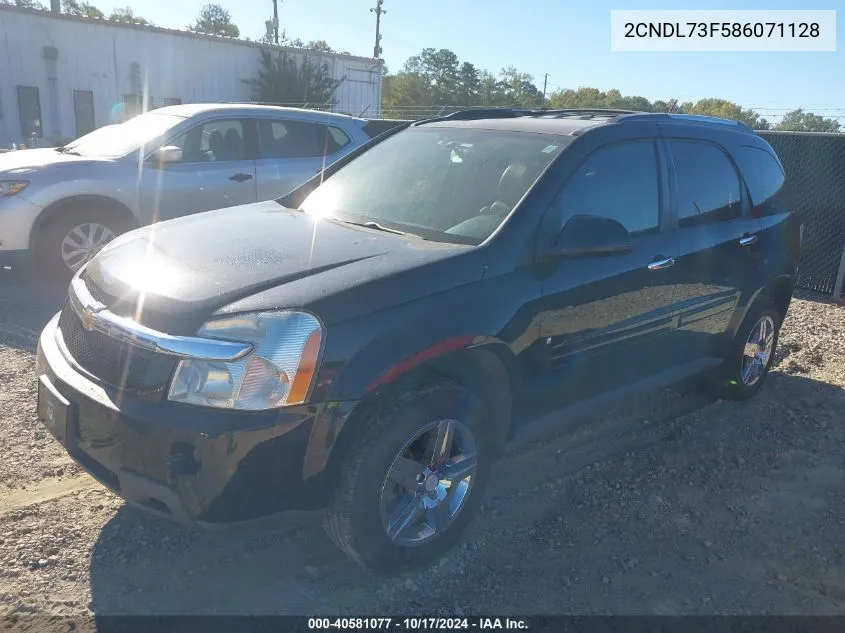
[
  {"x": 66, "y": 150},
  {"x": 374, "y": 225}
]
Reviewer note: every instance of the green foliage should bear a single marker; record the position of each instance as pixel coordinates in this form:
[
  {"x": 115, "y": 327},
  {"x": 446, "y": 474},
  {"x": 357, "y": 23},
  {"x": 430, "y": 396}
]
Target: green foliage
[
  {"x": 726, "y": 110},
  {"x": 127, "y": 16},
  {"x": 437, "y": 78},
  {"x": 215, "y": 20},
  {"x": 281, "y": 80},
  {"x": 81, "y": 9},
  {"x": 25, "y": 4},
  {"x": 319, "y": 45},
  {"x": 800, "y": 121}
]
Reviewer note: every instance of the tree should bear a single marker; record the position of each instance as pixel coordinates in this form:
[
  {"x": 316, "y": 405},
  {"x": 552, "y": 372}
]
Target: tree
[
  {"x": 25, "y": 4},
  {"x": 81, "y": 9},
  {"x": 282, "y": 80},
  {"x": 800, "y": 121},
  {"x": 469, "y": 84},
  {"x": 726, "y": 110},
  {"x": 127, "y": 16},
  {"x": 595, "y": 98},
  {"x": 319, "y": 45},
  {"x": 520, "y": 88},
  {"x": 215, "y": 20}
]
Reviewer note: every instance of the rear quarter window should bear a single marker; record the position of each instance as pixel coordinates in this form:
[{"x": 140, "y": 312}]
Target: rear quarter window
[{"x": 765, "y": 179}]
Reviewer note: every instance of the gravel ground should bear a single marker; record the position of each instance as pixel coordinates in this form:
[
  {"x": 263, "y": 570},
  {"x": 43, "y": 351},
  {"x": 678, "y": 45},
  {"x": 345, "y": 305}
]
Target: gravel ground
[{"x": 670, "y": 504}]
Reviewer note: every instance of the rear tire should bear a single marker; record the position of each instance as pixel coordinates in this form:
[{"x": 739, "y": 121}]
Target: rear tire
[
  {"x": 359, "y": 518},
  {"x": 740, "y": 377},
  {"x": 57, "y": 256}
]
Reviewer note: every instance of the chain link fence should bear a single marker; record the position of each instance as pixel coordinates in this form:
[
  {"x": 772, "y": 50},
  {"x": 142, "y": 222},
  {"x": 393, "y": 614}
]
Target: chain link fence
[{"x": 815, "y": 170}]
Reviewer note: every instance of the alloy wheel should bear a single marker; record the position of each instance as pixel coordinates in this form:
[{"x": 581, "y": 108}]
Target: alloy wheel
[
  {"x": 428, "y": 483},
  {"x": 84, "y": 241},
  {"x": 758, "y": 350}
]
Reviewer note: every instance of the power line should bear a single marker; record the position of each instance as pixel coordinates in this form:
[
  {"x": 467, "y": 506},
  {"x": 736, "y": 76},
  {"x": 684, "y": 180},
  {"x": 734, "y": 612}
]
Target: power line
[{"x": 378, "y": 11}]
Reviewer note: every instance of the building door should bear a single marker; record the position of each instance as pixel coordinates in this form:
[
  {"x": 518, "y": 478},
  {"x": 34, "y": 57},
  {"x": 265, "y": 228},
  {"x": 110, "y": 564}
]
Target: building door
[
  {"x": 83, "y": 111},
  {"x": 29, "y": 109}
]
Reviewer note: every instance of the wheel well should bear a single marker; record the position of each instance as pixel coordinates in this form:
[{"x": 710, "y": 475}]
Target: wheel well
[
  {"x": 91, "y": 201},
  {"x": 487, "y": 372},
  {"x": 780, "y": 292}
]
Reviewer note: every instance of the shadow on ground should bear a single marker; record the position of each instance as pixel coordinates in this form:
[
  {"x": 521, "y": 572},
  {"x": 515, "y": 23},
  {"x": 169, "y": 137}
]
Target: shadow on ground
[
  {"x": 26, "y": 305},
  {"x": 725, "y": 508}
]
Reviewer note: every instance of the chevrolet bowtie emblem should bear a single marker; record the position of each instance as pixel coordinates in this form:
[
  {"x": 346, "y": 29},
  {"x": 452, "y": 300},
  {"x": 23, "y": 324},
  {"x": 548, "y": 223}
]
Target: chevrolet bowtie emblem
[{"x": 87, "y": 315}]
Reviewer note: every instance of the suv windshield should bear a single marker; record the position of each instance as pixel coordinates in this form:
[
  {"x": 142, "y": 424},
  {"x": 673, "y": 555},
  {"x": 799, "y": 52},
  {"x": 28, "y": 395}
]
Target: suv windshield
[
  {"x": 114, "y": 141},
  {"x": 446, "y": 184}
]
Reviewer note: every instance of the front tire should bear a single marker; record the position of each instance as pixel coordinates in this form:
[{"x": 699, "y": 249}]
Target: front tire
[
  {"x": 72, "y": 237},
  {"x": 752, "y": 352},
  {"x": 414, "y": 479}
]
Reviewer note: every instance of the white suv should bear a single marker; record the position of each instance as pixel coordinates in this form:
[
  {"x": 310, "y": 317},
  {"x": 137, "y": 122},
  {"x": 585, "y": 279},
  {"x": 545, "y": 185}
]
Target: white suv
[{"x": 63, "y": 204}]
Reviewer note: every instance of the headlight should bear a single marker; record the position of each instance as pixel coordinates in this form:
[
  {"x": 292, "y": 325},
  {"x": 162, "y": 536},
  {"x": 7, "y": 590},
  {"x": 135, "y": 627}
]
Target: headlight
[
  {"x": 12, "y": 187},
  {"x": 279, "y": 370}
]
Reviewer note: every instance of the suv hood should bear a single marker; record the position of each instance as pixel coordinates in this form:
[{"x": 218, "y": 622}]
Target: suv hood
[
  {"x": 31, "y": 159},
  {"x": 264, "y": 256}
]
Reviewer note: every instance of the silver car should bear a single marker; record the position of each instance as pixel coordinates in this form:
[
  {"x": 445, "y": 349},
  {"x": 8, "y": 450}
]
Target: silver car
[{"x": 61, "y": 205}]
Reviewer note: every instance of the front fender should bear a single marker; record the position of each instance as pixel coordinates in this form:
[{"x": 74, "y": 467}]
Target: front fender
[{"x": 366, "y": 354}]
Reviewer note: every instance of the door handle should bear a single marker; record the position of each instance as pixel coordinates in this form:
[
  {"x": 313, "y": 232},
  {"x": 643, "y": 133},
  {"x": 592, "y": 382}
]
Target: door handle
[
  {"x": 240, "y": 177},
  {"x": 659, "y": 264},
  {"x": 748, "y": 240}
]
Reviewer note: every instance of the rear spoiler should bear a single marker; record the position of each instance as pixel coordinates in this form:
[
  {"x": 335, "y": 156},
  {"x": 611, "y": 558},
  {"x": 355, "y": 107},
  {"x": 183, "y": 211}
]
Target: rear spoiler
[{"x": 374, "y": 127}]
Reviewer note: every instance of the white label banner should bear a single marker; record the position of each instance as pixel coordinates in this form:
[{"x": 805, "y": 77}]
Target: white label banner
[{"x": 723, "y": 30}]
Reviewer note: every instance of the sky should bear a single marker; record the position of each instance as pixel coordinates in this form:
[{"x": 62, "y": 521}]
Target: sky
[{"x": 568, "y": 39}]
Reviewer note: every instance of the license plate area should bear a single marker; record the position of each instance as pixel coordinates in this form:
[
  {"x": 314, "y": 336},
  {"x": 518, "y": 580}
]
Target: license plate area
[{"x": 54, "y": 410}]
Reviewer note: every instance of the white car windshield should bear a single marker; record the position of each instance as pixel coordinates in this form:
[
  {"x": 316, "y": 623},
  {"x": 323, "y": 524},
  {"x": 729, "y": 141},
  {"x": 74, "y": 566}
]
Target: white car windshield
[{"x": 113, "y": 141}]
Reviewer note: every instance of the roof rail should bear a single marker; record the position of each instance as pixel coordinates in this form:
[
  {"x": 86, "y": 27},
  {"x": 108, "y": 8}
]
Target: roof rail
[
  {"x": 471, "y": 114},
  {"x": 610, "y": 112},
  {"x": 689, "y": 118}
]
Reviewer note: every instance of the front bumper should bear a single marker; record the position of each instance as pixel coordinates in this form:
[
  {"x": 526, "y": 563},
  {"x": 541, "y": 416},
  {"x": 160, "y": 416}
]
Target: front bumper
[
  {"x": 17, "y": 217},
  {"x": 180, "y": 461}
]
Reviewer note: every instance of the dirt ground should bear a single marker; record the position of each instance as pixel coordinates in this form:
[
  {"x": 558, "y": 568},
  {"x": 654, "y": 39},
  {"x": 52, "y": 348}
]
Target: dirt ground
[{"x": 669, "y": 504}]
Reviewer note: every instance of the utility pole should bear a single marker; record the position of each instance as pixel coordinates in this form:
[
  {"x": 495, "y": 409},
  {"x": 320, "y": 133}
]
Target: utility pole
[
  {"x": 545, "y": 84},
  {"x": 276, "y": 21},
  {"x": 378, "y": 11}
]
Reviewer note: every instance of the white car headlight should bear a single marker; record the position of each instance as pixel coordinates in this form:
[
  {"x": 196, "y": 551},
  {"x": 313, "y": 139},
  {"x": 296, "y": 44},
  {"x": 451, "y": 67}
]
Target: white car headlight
[
  {"x": 12, "y": 187},
  {"x": 277, "y": 372}
]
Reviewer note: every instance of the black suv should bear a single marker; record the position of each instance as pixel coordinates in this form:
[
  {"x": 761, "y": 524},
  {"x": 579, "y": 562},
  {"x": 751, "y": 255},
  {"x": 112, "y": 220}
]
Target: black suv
[{"x": 361, "y": 343}]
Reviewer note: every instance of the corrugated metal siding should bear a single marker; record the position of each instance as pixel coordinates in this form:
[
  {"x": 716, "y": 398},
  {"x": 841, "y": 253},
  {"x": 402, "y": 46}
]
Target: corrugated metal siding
[{"x": 102, "y": 58}]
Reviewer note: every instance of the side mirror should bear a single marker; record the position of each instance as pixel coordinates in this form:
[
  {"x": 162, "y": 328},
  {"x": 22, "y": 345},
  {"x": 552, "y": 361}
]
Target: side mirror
[
  {"x": 590, "y": 235},
  {"x": 167, "y": 154}
]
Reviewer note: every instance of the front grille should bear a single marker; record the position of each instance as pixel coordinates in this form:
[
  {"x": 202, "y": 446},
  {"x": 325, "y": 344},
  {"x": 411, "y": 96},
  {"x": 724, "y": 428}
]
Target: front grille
[
  {"x": 96, "y": 292},
  {"x": 114, "y": 362}
]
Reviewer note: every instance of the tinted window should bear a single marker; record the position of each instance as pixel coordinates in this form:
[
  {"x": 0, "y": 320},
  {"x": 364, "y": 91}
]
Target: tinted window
[
  {"x": 215, "y": 141},
  {"x": 618, "y": 182},
  {"x": 297, "y": 139},
  {"x": 708, "y": 187},
  {"x": 765, "y": 180}
]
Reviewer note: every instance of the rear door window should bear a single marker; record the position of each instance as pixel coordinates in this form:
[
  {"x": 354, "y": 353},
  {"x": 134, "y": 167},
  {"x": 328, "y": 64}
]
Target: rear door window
[
  {"x": 299, "y": 139},
  {"x": 765, "y": 180},
  {"x": 708, "y": 188}
]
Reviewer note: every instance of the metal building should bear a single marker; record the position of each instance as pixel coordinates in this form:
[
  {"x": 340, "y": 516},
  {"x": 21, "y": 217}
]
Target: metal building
[{"x": 62, "y": 76}]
